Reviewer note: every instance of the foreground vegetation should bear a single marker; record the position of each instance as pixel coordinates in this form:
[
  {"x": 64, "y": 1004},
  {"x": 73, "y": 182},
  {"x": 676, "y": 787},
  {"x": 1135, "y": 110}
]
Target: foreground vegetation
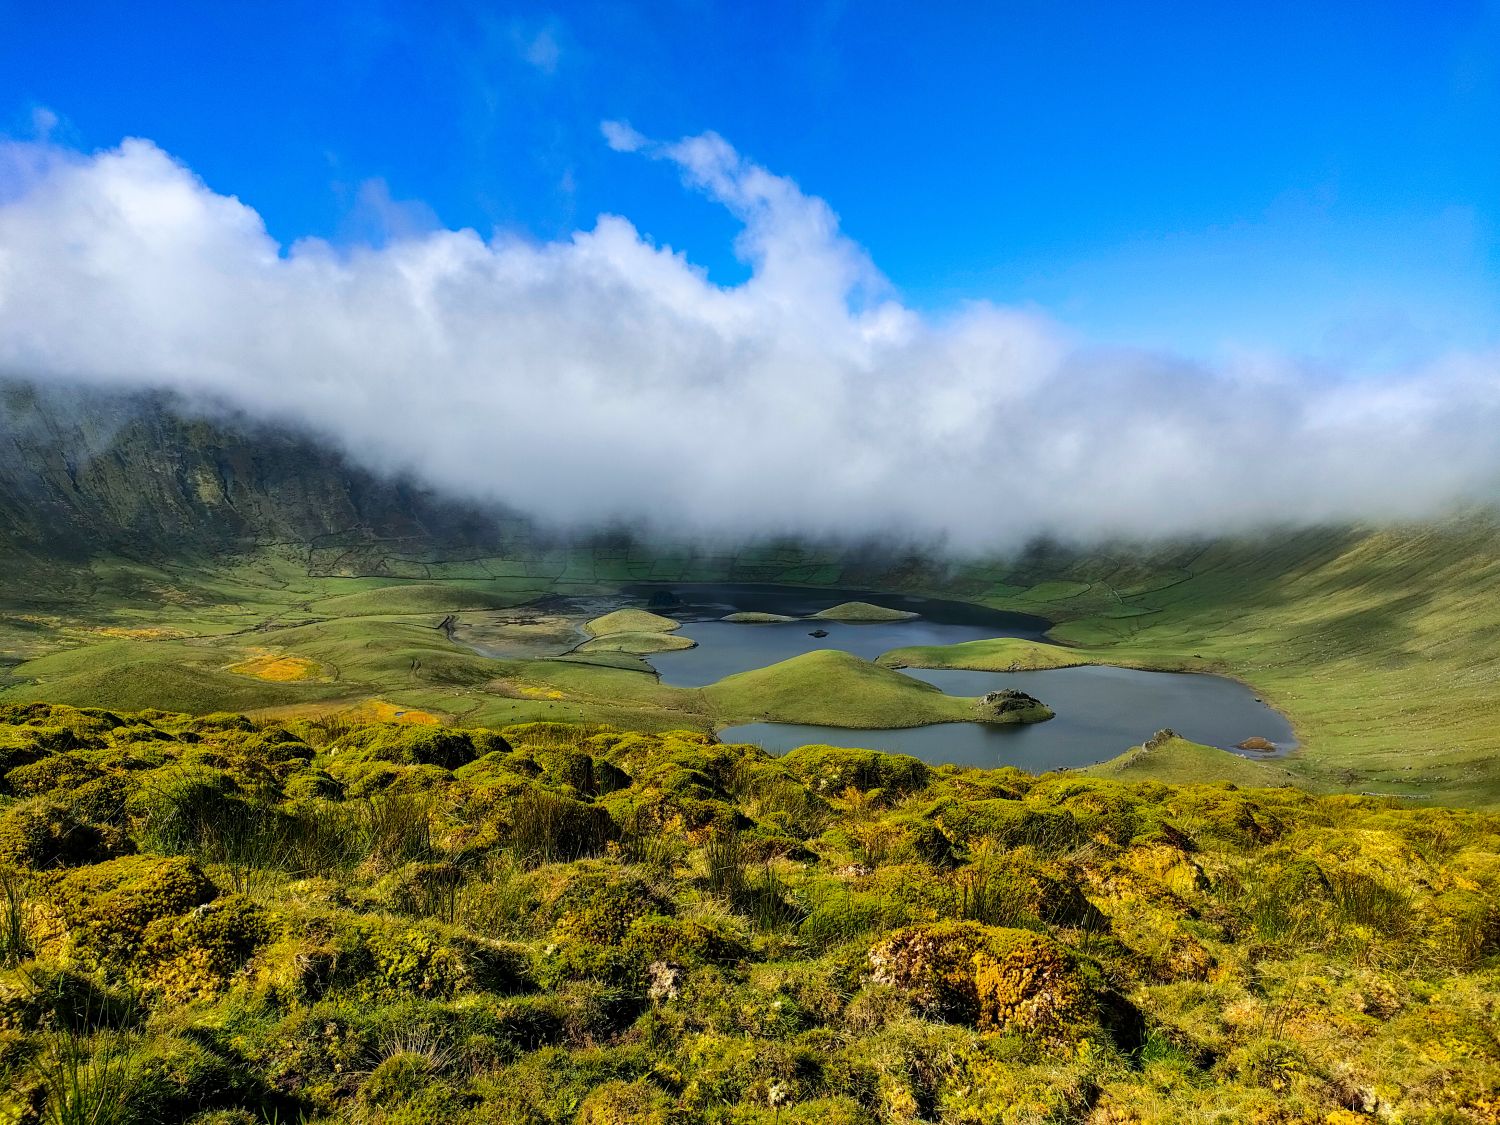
[{"x": 226, "y": 921}]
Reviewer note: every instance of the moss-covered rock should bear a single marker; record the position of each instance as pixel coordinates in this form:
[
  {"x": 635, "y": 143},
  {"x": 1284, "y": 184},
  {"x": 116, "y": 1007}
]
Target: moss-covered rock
[
  {"x": 103, "y": 911},
  {"x": 833, "y": 769},
  {"x": 196, "y": 956},
  {"x": 46, "y": 832},
  {"x": 989, "y": 977},
  {"x": 424, "y": 746}
]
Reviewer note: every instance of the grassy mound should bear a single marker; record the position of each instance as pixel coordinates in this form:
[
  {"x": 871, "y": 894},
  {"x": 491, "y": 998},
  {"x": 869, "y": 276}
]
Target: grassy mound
[
  {"x": 748, "y": 617},
  {"x": 631, "y": 620},
  {"x": 331, "y": 920},
  {"x": 835, "y": 688},
  {"x": 861, "y": 612},
  {"x": 1000, "y": 654},
  {"x": 638, "y": 643}
]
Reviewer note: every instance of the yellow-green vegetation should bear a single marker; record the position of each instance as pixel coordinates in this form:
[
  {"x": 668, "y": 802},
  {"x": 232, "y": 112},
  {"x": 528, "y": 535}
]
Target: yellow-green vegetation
[
  {"x": 631, "y": 620},
  {"x": 222, "y": 921},
  {"x": 861, "y": 611},
  {"x": 1000, "y": 654},
  {"x": 751, "y": 617},
  {"x": 278, "y": 667}
]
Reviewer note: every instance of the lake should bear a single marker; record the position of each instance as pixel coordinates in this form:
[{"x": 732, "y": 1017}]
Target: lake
[{"x": 1101, "y": 711}]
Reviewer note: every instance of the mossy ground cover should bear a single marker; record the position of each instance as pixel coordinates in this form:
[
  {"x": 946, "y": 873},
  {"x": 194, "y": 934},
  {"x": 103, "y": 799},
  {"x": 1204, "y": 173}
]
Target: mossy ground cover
[{"x": 222, "y": 921}]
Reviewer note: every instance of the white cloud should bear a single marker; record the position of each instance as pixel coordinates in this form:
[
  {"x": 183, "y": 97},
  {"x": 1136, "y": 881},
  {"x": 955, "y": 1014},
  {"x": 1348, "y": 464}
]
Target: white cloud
[
  {"x": 542, "y": 51},
  {"x": 621, "y": 137},
  {"x": 603, "y": 377}
]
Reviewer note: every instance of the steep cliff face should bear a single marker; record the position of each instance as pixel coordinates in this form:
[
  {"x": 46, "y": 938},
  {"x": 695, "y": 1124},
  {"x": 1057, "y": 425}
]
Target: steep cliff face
[{"x": 87, "y": 472}]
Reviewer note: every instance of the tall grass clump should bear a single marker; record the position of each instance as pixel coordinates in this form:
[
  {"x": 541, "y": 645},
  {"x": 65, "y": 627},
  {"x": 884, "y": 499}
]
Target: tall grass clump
[
  {"x": 88, "y": 1080},
  {"x": 984, "y": 898},
  {"x": 14, "y": 948},
  {"x": 643, "y": 842},
  {"x": 724, "y": 856},
  {"x": 549, "y": 829},
  {"x": 396, "y": 828},
  {"x": 1366, "y": 901}
]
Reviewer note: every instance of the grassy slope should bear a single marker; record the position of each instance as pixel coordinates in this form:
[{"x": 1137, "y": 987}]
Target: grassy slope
[
  {"x": 411, "y": 597},
  {"x": 639, "y": 643},
  {"x": 1002, "y": 654}
]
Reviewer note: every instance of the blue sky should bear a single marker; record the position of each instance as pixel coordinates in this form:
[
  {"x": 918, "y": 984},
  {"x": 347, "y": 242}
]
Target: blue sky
[{"x": 1319, "y": 179}]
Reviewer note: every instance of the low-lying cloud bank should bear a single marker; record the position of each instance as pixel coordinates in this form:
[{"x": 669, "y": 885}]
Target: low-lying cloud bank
[{"x": 603, "y": 377}]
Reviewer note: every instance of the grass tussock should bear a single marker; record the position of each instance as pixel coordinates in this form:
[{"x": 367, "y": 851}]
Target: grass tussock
[{"x": 222, "y": 921}]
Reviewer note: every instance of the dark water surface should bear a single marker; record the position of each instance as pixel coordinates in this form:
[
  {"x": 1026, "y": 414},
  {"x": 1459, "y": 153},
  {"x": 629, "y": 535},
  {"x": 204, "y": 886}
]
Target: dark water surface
[{"x": 1101, "y": 712}]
